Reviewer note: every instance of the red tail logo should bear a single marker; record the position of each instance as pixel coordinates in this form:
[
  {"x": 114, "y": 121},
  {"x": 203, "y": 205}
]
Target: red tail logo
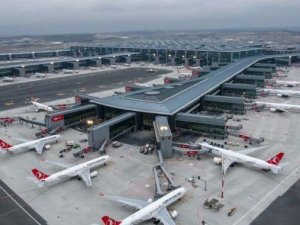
[
  {"x": 39, "y": 175},
  {"x": 109, "y": 221},
  {"x": 276, "y": 159},
  {"x": 4, "y": 145}
]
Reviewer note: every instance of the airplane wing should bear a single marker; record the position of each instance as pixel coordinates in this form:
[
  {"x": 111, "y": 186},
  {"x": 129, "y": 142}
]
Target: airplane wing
[
  {"x": 135, "y": 203},
  {"x": 164, "y": 217},
  {"x": 39, "y": 147},
  {"x": 280, "y": 109},
  {"x": 60, "y": 164},
  {"x": 251, "y": 150},
  {"x": 86, "y": 177},
  {"x": 226, "y": 164}
]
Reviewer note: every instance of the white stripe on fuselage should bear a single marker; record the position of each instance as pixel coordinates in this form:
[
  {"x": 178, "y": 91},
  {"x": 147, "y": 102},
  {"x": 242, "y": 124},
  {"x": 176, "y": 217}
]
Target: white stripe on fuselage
[{"x": 150, "y": 210}]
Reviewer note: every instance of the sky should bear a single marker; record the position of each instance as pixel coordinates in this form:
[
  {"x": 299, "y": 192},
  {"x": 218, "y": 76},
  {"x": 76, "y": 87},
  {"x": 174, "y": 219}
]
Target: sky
[{"x": 36, "y": 17}]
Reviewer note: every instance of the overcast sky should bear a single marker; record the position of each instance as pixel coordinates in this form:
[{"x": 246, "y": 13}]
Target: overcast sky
[{"x": 68, "y": 16}]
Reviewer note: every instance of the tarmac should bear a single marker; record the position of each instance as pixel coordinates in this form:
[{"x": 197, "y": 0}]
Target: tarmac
[
  {"x": 13, "y": 210},
  {"x": 284, "y": 210},
  {"x": 17, "y": 95},
  {"x": 129, "y": 173}
]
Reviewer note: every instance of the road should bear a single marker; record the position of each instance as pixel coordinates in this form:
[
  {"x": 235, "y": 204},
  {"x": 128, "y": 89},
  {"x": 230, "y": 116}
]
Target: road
[{"x": 18, "y": 95}]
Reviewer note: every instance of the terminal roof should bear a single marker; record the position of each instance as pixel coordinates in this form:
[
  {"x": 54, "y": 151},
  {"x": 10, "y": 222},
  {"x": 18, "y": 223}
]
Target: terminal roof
[{"x": 170, "y": 99}]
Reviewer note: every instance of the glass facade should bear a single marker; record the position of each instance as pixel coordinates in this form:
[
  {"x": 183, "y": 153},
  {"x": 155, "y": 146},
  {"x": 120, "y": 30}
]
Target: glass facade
[
  {"x": 202, "y": 128},
  {"x": 118, "y": 128},
  {"x": 224, "y": 107},
  {"x": 74, "y": 117},
  {"x": 240, "y": 92}
]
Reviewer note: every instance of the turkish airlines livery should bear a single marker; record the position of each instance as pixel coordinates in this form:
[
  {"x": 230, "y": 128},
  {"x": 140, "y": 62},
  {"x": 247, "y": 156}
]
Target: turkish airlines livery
[
  {"x": 41, "y": 106},
  {"x": 148, "y": 209},
  {"x": 38, "y": 145},
  {"x": 82, "y": 171},
  {"x": 229, "y": 157}
]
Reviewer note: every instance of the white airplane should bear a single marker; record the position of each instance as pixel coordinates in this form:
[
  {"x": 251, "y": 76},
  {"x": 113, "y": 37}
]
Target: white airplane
[
  {"x": 287, "y": 83},
  {"x": 65, "y": 71},
  {"x": 114, "y": 66},
  {"x": 82, "y": 171},
  {"x": 282, "y": 93},
  {"x": 143, "y": 85},
  {"x": 229, "y": 157},
  {"x": 42, "y": 107},
  {"x": 8, "y": 79},
  {"x": 151, "y": 71},
  {"x": 279, "y": 107},
  {"x": 126, "y": 64},
  {"x": 38, "y": 145},
  {"x": 40, "y": 75},
  {"x": 148, "y": 209}
]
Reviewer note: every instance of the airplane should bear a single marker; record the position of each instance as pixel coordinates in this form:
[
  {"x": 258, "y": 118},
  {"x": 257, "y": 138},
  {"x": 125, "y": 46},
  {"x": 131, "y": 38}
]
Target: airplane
[
  {"x": 41, "y": 106},
  {"x": 126, "y": 64},
  {"x": 68, "y": 71},
  {"x": 283, "y": 93},
  {"x": 143, "y": 85},
  {"x": 148, "y": 209},
  {"x": 40, "y": 75},
  {"x": 229, "y": 157},
  {"x": 288, "y": 83},
  {"x": 81, "y": 171},
  {"x": 114, "y": 66},
  {"x": 278, "y": 107},
  {"x": 8, "y": 79},
  {"x": 38, "y": 145},
  {"x": 151, "y": 71}
]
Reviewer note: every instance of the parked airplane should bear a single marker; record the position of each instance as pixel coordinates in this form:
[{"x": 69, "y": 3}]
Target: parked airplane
[
  {"x": 148, "y": 209},
  {"x": 151, "y": 71},
  {"x": 283, "y": 93},
  {"x": 279, "y": 107},
  {"x": 82, "y": 171},
  {"x": 8, "y": 79},
  {"x": 38, "y": 145},
  {"x": 40, "y": 75},
  {"x": 287, "y": 83},
  {"x": 42, "y": 107},
  {"x": 65, "y": 71},
  {"x": 228, "y": 157},
  {"x": 143, "y": 85},
  {"x": 126, "y": 64}
]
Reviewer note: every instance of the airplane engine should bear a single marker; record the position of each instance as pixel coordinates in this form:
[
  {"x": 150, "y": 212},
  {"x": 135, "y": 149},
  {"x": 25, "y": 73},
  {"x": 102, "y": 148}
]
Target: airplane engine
[
  {"x": 273, "y": 109},
  {"x": 173, "y": 214},
  {"x": 217, "y": 160},
  {"x": 282, "y": 95},
  {"x": 94, "y": 174},
  {"x": 150, "y": 200},
  {"x": 47, "y": 147}
]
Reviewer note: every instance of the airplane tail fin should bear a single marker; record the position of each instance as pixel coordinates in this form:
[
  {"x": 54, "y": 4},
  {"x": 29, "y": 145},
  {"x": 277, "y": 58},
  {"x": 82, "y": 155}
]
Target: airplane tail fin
[
  {"x": 4, "y": 145},
  {"x": 276, "y": 159},
  {"x": 109, "y": 221},
  {"x": 39, "y": 175}
]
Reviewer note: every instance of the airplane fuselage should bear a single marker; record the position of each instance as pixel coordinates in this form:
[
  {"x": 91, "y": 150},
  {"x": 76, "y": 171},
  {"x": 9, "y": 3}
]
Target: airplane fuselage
[
  {"x": 73, "y": 171},
  {"x": 42, "y": 107},
  {"x": 31, "y": 144},
  {"x": 150, "y": 210},
  {"x": 242, "y": 158}
]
